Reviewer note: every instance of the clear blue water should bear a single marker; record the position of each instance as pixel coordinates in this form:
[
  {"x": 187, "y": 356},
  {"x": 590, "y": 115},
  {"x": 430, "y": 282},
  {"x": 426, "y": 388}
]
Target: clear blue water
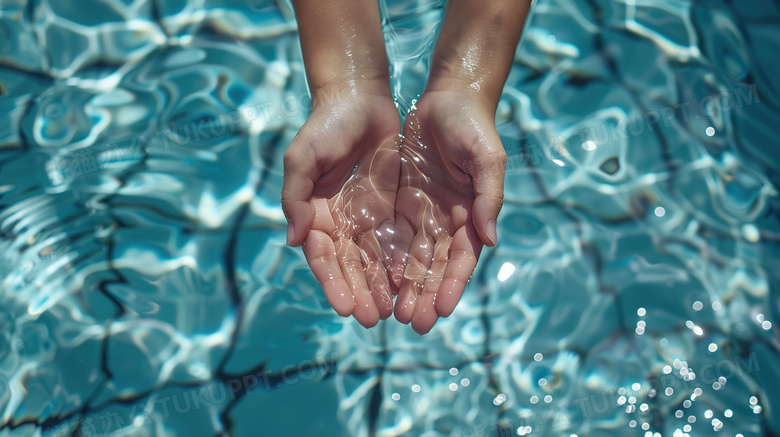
[{"x": 146, "y": 287}]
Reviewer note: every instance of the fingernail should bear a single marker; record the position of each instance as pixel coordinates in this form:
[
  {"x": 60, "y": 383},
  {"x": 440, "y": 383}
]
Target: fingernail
[
  {"x": 492, "y": 231},
  {"x": 290, "y": 233}
]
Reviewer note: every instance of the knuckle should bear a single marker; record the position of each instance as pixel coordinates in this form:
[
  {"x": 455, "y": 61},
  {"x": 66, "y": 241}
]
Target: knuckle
[
  {"x": 501, "y": 158},
  {"x": 290, "y": 158}
]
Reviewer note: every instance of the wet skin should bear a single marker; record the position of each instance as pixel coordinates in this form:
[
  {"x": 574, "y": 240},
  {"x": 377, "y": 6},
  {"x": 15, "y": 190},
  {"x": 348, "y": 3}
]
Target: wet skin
[
  {"x": 385, "y": 210},
  {"x": 450, "y": 191},
  {"x": 341, "y": 179}
]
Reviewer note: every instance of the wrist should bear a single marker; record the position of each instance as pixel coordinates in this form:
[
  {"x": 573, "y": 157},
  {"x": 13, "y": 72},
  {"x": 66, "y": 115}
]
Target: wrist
[
  {"x": 484, "y": 95},
  {"x": 342, "y": 44},
  {"x": 348, "y": 74},
  {"x": 350, "y": 88},
  {"x": 476, "y": 46}
]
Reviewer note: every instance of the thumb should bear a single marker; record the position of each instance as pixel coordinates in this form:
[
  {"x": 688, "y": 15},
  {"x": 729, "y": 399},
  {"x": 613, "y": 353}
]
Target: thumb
[
  {"x": 487, "y": 173},
  {"x": 300, "y": 174}
]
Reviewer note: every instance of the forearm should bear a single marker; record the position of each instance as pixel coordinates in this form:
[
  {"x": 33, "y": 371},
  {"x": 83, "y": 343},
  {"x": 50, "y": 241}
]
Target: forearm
[
  {"x": 342, "y": 43},
  {"x": 476, "y": 46}
]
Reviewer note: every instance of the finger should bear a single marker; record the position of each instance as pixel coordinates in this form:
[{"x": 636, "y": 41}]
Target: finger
[
  {"x": 402, "y": 242},
  {"x": 376, "y": 275},
  {"x": 464, "y": 253},
  {"x": 384, "y": 235},
  {"x": 417, "y": 265},
  {"x": 425, "y": 315},
  {"x": 350, "y": 259},
  {"x": 324, "y": 220},
  {"x": 300, "y": 174},
  {"x": 320, "y": 253},
  {"x": 488, "y": 177},
  {"x": 435, "y": 222}
]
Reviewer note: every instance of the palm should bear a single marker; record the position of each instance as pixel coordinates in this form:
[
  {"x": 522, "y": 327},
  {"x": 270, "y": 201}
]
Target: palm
[
  {"x": 352, "y": 188},
  {"x": 443, "y": 153}
]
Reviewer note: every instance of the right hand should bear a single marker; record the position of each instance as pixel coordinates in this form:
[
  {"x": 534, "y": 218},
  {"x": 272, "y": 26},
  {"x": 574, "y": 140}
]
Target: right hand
[{"x": 340, "y": 182}]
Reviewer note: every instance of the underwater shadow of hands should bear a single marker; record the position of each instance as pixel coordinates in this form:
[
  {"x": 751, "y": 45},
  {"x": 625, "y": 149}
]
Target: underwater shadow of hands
[{"x": 449, "y": 197}]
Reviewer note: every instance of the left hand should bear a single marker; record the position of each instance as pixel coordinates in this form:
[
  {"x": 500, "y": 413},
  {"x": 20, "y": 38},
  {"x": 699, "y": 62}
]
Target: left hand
[{"x": 449, "y": 197}]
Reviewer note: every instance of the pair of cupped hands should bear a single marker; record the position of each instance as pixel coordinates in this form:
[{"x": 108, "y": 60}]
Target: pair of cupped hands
[{"x": 392, "y": 219}]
